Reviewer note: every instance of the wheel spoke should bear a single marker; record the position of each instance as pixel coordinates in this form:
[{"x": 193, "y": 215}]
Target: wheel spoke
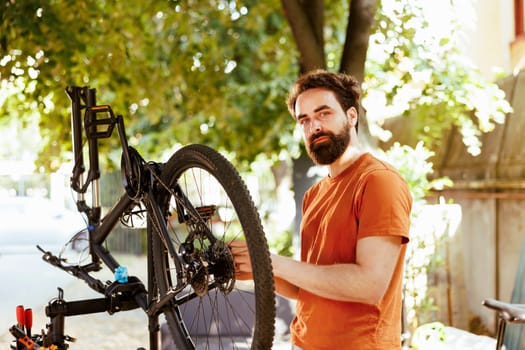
[{"x": 214, "y": 310}]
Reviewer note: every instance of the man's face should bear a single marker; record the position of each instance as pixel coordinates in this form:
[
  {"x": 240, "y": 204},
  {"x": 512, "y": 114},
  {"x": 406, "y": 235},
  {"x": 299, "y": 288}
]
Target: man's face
[{"x": 326, "y": 127}]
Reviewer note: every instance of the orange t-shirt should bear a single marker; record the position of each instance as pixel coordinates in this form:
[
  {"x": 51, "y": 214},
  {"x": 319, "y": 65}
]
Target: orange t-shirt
[{"x": 369, "y": 198}]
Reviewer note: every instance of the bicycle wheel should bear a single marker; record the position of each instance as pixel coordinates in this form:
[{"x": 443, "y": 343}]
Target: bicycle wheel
[{"x": 213, "y": 310}]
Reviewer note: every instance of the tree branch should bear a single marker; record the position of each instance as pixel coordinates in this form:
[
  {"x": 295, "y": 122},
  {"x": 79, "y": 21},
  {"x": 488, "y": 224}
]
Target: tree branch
[
  {"x": 314, "y": 10},
  {"x": 360, "y": 20},
  {"x": 306, "y": 21}
]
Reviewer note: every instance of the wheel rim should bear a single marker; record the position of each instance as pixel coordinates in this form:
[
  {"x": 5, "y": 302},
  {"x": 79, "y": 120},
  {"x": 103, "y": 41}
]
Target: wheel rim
[{"x": 223, "y": 314}]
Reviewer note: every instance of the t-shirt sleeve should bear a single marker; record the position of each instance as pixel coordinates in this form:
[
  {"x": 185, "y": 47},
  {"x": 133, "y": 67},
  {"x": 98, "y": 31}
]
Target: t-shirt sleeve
[{"x": 384, "y": 204}]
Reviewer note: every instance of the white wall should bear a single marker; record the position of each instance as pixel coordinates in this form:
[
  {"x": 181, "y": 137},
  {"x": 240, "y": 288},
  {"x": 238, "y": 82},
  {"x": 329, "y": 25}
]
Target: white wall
[
  {"x": 488, "y": 41},
  {"x": 487, "y": 30}
]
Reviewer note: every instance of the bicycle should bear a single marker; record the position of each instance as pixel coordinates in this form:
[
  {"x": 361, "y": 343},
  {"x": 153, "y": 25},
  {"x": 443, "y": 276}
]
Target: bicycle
[
  {"x": 193, "y": 204},
  {"x": 507, "y": 313}
]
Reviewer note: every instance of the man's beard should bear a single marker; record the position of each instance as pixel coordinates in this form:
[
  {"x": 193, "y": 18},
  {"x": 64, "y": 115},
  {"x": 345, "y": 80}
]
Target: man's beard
[{"x": 326, "y": 153}]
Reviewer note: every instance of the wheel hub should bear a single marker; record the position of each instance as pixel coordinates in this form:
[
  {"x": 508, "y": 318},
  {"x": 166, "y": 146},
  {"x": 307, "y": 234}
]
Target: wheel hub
[{"x": 211, "y": 265}]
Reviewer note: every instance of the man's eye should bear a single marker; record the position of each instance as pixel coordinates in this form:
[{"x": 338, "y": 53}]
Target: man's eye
[{"x": 303, "y": 123}]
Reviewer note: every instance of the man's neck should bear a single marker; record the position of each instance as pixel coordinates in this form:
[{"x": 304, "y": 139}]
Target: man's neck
[{"x": 351, "y": 154}]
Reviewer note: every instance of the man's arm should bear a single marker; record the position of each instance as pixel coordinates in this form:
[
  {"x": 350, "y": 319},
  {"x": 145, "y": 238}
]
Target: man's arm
[{"x": 365, "y": 281}]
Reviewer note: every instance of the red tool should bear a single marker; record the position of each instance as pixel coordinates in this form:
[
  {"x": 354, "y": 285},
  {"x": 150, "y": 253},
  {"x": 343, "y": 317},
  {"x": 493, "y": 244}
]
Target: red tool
[
  {"x": 20, "y": 320},
  {"x": 20, "y": 317},
  {"x": 28, "y": 321}
]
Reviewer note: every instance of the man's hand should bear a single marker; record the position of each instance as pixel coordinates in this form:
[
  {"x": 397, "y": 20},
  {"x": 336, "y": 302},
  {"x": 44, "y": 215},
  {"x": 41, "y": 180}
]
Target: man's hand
[{"x": 241, "y": 257}]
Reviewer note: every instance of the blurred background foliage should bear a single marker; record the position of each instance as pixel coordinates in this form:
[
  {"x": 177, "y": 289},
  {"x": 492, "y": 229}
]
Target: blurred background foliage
[
  {"x": 217, "y": 71},
  {"x": 179, "y": 71}
]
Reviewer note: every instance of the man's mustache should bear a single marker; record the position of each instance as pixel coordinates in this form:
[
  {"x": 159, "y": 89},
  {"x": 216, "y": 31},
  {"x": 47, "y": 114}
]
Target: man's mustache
[{"x": 322, "y": 134}]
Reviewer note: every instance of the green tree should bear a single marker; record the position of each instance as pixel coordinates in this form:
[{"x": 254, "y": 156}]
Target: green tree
[
  {"x": 217, "y": 72},
  {"x": 180, "y": 71}
]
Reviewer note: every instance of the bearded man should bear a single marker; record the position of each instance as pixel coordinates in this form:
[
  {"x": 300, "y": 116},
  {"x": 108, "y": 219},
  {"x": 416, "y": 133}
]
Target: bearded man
[{"x": 354, "y": 229}]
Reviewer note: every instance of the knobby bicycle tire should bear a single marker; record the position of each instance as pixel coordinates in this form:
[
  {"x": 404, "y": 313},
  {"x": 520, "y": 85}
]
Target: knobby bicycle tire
[{"x": 223, "y": 315}]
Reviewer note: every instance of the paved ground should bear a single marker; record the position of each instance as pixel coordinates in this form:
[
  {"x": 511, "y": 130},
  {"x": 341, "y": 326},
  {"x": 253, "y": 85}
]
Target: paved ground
[
  {"x": 125, "y": 330},
  {"x": 28, "y": 280}
]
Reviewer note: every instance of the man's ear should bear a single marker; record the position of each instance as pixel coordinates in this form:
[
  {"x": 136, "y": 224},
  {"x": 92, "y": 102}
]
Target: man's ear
[{"x": 352, "y": 116}]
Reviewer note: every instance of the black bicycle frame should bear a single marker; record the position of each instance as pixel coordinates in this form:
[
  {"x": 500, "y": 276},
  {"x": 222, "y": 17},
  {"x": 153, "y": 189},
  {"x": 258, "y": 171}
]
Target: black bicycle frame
[
  {"x": 118, "y": 297},
  {"x": 138, "y": 186},
  {"x": 84, "y": 98}
]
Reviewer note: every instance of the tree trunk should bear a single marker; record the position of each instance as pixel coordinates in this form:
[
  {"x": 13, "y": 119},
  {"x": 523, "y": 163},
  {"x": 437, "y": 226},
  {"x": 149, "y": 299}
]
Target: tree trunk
[
  {"x": 301, "y": 183},
  {"x": 360, "y": 20},
  {"x": 306, "y": 19}
]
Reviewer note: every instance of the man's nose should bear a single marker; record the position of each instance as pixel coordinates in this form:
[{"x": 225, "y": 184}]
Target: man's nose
[{"x": 315, "y": 126}]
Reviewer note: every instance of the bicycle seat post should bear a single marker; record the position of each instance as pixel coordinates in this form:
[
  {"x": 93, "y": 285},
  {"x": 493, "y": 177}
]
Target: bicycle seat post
[
  {"x": 85, "y": 98},
  {"x": 77, "y": 178},
  {"x": 94, "y": 169}
]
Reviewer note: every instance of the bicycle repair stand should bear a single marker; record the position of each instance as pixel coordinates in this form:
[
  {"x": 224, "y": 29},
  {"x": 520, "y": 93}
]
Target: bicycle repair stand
[{"x": 119, "y": 296}]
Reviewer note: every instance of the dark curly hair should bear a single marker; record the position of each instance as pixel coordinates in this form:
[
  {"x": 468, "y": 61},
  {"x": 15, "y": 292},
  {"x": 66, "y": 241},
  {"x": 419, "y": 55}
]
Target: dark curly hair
[{"x": 345, "y": 87}]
